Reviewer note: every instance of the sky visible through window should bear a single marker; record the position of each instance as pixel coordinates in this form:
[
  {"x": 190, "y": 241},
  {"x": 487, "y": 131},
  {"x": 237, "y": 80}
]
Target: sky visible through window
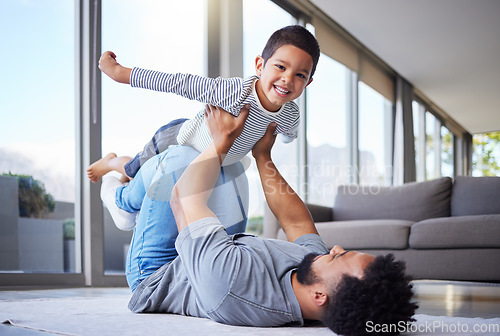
[
  {"x": 38, "y": 66},
  {"x": 37, "y": 92},
  {"x": 149, "y": 37}
]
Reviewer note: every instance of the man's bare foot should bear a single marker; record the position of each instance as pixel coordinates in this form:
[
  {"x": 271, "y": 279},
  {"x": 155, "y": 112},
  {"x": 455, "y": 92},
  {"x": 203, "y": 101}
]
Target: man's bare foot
[{"x": 100, "y": 168}]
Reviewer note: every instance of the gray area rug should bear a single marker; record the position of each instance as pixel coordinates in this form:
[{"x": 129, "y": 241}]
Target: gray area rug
[{"x": 109, "y": 316}]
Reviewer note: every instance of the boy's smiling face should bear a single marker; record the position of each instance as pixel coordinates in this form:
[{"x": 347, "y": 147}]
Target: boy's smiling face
[{"x": 283, "y": 77}]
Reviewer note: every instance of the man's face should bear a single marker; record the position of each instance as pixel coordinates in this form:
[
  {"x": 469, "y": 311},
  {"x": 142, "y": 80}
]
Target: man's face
[{"x": 332, "y": 266}]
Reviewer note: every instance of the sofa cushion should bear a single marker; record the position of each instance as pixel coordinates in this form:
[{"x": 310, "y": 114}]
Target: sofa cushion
[
  {"x": 414, "y": 201},
  {"x": 364, "y": 234},
  {"x": 482, "y": 231},
  {"x": 475, "y": 196}
]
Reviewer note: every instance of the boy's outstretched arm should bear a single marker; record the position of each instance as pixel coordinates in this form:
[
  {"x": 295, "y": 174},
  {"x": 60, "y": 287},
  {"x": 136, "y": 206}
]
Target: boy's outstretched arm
[
  {"x": 289, "y": 209},
  {"x": 117, "y": 72},
  {"x": 191, "y": 192}
]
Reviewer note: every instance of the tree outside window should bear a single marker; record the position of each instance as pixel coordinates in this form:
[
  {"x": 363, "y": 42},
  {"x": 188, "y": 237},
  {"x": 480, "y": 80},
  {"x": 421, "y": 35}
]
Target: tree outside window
[
  {"x": 446, "y": 152},
  {"x": 486, "y": 154}
]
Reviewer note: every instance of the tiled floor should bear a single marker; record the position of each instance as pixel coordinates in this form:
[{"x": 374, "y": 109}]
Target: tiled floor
[{"x": 465, "y": 299}]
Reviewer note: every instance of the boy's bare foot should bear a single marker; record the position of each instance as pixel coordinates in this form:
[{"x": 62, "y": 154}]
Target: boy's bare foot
[
  {"x": 125, "y": 179},
  {"x": 100, "y": 168}
]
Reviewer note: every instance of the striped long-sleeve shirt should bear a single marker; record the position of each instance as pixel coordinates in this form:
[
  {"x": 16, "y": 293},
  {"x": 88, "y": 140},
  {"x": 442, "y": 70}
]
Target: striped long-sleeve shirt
[{"x": 231, "y": 94}]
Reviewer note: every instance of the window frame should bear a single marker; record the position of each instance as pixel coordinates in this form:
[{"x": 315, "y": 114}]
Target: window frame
[{"x": 421, "y": 143}]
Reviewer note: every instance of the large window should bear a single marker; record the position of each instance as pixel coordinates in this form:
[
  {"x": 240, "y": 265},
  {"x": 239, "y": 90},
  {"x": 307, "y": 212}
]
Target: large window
[
  {"x": 375, "y": 137},
  {"x": 327, "y": 148},
  {"x": 434, "y": 145},
  {"x": 349, "y": 133},
  {"x": 419, "y": 134},
  {"x": 260, "y": 19},
  {"x": 447, "y": 152},
  {"x": 37, "y": 138},
  {"x": 146, "y": 35}
]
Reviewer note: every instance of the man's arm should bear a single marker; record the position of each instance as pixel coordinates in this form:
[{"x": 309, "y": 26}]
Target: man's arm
[
  {"x": 191, "y": 192},
  {"x": 286, "y": 205}
]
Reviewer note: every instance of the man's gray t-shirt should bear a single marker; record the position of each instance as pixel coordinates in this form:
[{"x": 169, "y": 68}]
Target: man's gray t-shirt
[{"x": 237, "y": 280}]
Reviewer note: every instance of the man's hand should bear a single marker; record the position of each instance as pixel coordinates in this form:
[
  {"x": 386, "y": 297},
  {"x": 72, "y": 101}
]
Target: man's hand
[
  {"x": 262, "y": 149},
  {"x": 224, "y": 127},
  {"x": 109, "y": 65}
]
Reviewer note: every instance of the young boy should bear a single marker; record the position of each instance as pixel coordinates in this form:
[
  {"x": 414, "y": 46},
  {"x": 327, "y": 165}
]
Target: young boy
[{"x": 285, "y": 68}]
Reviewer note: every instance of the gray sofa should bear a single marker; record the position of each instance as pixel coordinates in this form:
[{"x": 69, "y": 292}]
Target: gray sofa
[{"x": 443, "y": 229}]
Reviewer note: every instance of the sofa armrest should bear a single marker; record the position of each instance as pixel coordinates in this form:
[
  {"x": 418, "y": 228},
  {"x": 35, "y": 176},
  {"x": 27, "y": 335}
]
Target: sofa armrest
[{"x": 320, "y": 213}]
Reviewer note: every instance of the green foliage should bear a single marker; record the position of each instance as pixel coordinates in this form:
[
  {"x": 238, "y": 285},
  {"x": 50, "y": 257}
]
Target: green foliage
[
  {"x": 255, "y": 225},
  {"x": 447, "y": 148},
  {"x": 69, "y": 228},
  {"x": 486, "y": 154},
  {"x": 34, "y": 201}
]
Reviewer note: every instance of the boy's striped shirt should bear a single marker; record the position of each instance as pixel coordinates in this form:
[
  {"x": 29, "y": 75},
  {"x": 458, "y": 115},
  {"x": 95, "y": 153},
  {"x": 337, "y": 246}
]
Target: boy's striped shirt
[{"x": 231, "y": 94}]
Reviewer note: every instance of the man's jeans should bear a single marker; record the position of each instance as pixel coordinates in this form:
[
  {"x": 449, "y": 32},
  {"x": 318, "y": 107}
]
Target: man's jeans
[
  {"x": 153, "y": 241},
  {"x": 163, "y": 138}
]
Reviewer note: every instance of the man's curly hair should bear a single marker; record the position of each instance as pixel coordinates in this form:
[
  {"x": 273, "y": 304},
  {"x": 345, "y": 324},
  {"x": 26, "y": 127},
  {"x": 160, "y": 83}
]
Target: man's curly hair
[{"x": 383, "y": 296}]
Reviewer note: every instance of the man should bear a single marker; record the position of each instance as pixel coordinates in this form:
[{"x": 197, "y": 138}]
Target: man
[{"x": 248, "y": 280}]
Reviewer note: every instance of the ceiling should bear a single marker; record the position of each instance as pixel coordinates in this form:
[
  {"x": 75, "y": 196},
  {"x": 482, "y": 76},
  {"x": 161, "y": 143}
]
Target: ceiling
[{"x": 448, "y": 49}]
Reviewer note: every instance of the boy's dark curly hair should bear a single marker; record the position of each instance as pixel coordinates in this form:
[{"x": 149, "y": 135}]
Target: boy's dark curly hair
[
  {"x": 295, "y": 35},
  {"x": 382, "y": 297}
]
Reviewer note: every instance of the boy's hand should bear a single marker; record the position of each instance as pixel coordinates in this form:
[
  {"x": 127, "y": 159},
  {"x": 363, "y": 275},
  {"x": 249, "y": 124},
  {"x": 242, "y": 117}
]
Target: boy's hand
[
  {"x": 263, "y": 147},
  {"x": 224, "y": 127},
  {"x": 109, "y": 65}
]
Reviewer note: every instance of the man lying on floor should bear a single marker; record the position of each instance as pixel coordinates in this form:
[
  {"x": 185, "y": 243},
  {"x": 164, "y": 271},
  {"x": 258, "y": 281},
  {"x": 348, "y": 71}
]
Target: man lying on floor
[{"x": 246, "y": 280}]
